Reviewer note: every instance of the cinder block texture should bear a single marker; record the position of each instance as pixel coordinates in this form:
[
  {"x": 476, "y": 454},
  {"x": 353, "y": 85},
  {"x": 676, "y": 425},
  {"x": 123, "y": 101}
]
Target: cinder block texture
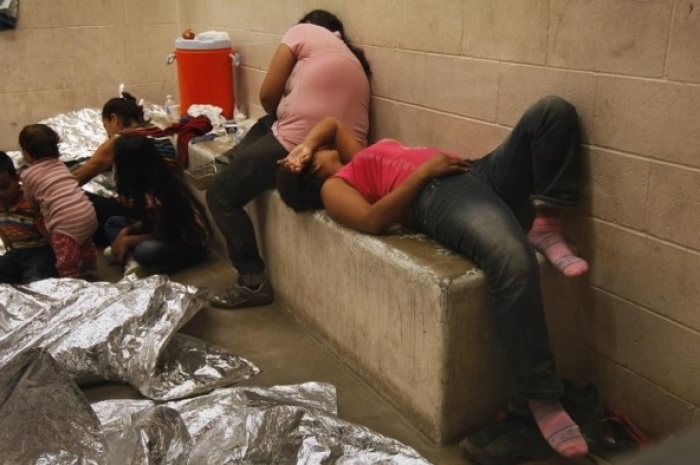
[
  {"x": 649, "y": 118},
  {"x": 684, "y": 48},
  {"x": 609, "y": 36},
  {"x": 509, "y": 31},
  {"x": 673, "y": 211},
  {"x": 655, "y": 410},
  {"x": 617, "y": 187}
]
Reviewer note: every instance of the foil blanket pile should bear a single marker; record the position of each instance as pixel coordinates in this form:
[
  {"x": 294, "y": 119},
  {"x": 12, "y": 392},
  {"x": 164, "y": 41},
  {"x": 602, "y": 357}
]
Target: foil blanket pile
[{"x": 58, "y": 333}]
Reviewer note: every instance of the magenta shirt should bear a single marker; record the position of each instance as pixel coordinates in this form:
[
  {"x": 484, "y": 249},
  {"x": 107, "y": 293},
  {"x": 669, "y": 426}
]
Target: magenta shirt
[
  {"x": 327, "y": 80},
  {"x": 382, "y": 167}
]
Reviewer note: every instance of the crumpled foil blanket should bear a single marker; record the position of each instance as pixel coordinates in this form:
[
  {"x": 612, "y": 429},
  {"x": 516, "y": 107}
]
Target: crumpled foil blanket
[
  {"x": 124, "y": 332},
  {"x": 44, "y": 418}
]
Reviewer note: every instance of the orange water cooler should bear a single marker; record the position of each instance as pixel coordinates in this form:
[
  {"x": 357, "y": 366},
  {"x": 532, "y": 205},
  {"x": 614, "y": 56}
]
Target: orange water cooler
[{"x": 205, "y": 73}]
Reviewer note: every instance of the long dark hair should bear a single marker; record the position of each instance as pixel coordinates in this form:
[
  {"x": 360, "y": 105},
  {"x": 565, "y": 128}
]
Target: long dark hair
[
  {"x": 331, "y": 22},
  {"x": 140, "y": 170},
  {"x": 126, "y": 108},
  {"x": 301, "y": 192},
  {"x": 39, "y": 141},
  {"x": 7, "y": 165}
]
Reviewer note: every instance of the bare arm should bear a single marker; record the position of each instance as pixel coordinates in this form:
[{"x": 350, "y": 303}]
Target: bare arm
[
  {"x": 278, "y": 72},
  {"x": 127, "y": 239},
  {"x": 99, "y": 162},
  {"x": 346, "y": 205},
  {"x": 331, "y": 133}
]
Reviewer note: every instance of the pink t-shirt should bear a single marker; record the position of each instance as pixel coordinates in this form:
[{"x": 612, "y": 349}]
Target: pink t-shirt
[
  {"x": 327, "y": 80},
  {"x": 64, "y": 205},
  {"x": 382, "y": 167}
]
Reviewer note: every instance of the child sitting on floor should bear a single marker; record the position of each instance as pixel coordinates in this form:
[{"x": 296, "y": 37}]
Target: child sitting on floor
[
  {"x": 28, "y": 256},
  {"x": 68, "y": 214},
  {"x": 166, "y": 228}
]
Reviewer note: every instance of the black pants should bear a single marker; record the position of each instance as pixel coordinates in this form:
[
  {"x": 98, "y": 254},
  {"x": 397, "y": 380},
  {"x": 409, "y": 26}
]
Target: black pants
[{"x": 251, "y": 170}]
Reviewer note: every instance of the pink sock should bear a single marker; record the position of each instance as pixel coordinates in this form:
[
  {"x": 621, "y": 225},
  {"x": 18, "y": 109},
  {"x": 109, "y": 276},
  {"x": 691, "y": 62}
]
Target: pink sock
[
  {"x": 546, "y": 237},
  {"x": 558, "y": 428}
]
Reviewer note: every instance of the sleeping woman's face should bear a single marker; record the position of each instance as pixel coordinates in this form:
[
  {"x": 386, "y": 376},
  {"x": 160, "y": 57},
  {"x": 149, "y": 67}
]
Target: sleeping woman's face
[{"x": 326, "y": 163}]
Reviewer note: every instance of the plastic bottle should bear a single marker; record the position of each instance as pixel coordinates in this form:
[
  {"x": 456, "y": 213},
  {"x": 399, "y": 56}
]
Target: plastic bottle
[{"x": 168, "y": 107}]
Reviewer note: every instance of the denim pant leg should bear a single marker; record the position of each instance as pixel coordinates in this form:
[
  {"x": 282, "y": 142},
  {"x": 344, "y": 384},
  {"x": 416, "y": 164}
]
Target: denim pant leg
[
  {"x": 540, "y": 161},
  {"x": 10, "y": 268},
  {"x": 105, "y": 208},
  {"x": 113, "y": 225},
  {"x": 22, "y": 266},
  {"x": 465, "y": 214},
  {"x": 168, "y": 256},
  {"x": 38, "y": 263},
  {"x": 251, "y": 170}
]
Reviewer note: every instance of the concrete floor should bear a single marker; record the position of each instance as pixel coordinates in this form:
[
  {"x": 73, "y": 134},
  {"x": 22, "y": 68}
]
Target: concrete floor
[{"x": 287, "y": 354}]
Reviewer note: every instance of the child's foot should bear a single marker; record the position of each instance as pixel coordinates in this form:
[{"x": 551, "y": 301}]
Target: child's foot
[
  {"x": 109, "y": 256},
  {"x": 546, "y": 237},
  {"x": 132, "y": 267},
  {"x": 558, "y": 428}
]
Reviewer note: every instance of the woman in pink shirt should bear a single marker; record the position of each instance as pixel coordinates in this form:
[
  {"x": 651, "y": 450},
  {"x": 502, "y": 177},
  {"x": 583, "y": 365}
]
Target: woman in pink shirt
[
  {"x": 314, "y": 73},
  {"x": 495, "y": 210}
]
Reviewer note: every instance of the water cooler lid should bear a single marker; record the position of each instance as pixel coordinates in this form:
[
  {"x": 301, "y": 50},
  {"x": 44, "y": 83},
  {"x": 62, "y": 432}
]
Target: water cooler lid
[{"x": 198, "y": 44}]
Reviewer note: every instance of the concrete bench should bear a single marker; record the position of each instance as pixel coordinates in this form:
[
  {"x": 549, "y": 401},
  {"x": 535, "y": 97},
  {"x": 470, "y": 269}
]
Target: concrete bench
[
  {"x": 412, "y": 318},
  {"x": 409, "y": 316}
]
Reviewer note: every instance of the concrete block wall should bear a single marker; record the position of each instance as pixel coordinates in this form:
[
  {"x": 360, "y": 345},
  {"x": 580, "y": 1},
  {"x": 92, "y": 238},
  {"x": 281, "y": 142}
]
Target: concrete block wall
[
  {"x": 71, "y": 54},
  {"x": 457, "y": 74}
]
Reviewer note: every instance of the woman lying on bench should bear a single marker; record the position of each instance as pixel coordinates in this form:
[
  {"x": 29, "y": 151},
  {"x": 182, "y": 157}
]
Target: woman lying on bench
[{"x": 481, "y": 208}]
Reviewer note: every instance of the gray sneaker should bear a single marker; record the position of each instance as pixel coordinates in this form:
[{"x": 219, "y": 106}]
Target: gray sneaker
[{"x": 239, "y": 296}]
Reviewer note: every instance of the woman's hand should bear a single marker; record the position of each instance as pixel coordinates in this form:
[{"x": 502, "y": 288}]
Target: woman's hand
[
  {"x": 298, "y": 158},
  {"x": 442, "y": 165},
  {"x": 127, "y": 238}
]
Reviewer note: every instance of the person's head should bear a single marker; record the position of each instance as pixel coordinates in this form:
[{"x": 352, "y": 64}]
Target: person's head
[
  {"x": 38, "y": 141},
  {"x": 137, "y": 164},
  {"x": 331, "y": 22},
  {"x": 9, "y": 181},
  {"x": 120, "y": 113},
  {"x": 140, "y": 170},
  {"x": 325, "y": 19},
  {"x": 303, "y": 191}
]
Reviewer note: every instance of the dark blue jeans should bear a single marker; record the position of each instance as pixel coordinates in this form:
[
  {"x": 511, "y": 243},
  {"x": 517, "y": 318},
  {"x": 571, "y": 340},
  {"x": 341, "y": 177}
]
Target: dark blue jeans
[
  {"x": 22, "y": 266},
  {"x": 485, "y": 213},
  {"x": 167, "y": 256},
  {"x": 251, "y": 169}
]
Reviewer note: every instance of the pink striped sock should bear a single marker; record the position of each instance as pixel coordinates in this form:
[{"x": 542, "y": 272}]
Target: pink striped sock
[
  {"x": 546, "y": 237},
  {"x": 558, "y": 428}
]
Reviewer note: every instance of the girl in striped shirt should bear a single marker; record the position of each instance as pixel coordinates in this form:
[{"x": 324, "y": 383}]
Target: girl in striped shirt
[{"x": 68, "y": 214}]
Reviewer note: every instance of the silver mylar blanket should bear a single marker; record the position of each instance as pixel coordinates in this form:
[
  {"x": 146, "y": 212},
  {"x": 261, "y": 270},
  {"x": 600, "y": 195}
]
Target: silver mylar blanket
[
  {"x": 44, "y": 418},
  {"x": 81, "y": 132},
  {"x": 124, "y": 332}
]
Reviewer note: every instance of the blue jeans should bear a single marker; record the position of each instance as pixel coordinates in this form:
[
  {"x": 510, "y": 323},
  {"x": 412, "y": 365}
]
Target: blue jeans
[
  {"x": 22, "y": 266},
  {"x": 485, "y": 213},
  {"x": 251, "y": 169},
  {"x": 168, "y": 256}
]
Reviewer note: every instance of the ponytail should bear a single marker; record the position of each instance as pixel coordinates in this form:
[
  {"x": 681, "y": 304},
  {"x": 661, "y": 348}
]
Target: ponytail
[{"x": 126, "y": 108}]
